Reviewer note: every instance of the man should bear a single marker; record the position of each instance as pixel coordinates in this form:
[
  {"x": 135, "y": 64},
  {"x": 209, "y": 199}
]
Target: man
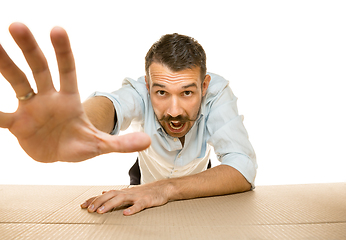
[{"x": 179, "y": 109}]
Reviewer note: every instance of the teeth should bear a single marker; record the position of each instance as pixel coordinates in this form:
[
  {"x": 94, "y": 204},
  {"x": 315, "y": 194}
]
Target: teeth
[{"x": 175, "y": 128}]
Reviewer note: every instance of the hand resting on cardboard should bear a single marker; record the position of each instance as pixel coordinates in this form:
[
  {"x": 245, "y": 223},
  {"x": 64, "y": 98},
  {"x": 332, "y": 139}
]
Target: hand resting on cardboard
[
  {"x": 51, "y": 125},
  {"x": 139, "y": 197}
]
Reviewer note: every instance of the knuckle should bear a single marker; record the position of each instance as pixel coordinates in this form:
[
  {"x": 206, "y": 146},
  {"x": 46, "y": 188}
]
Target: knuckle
[
  {"x": 121, "y": 196},
  {"x": 112, "y": 192}
]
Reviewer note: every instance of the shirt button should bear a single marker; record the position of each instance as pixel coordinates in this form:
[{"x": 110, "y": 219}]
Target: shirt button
[
  {"x": 175, "y": 139},
  {"x": 179, "y": 155}
]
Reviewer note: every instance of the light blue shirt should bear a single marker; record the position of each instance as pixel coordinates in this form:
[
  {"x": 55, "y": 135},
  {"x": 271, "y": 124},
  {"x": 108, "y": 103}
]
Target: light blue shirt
[{"x": 219, "y": 126}]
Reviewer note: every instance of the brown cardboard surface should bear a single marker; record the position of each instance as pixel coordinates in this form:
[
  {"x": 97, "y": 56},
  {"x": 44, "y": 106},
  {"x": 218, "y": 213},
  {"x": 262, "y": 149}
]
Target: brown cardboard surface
[
  {"x": 72, "y": 213},
  {"x": 32, "y": 204},
  {"x": 100, "y": 232},
  {"x": 312, "y": 211}
]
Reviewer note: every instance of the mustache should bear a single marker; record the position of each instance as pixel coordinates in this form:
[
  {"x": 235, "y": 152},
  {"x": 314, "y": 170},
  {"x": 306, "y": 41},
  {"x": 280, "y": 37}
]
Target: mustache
[{"x": 180, "y": 118}]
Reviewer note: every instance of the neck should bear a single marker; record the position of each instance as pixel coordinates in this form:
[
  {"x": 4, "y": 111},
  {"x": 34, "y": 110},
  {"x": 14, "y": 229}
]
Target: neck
[{"x": 182, "y": 140}]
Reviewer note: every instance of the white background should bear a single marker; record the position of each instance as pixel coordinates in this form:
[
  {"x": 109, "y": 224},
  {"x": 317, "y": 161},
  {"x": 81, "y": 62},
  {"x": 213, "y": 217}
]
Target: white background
[{"x": 285, "y": 61}]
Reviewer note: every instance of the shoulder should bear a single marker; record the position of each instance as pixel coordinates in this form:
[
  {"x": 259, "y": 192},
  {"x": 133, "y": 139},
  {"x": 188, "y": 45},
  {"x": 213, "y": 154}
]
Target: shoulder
[
  {"x": 216, "y": 86},
  {"x": 139, "y": 85}
]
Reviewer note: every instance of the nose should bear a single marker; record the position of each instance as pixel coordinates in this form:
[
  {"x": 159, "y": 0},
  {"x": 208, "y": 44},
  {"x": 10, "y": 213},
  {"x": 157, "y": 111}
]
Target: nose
[{"x": 175, "y": 109}]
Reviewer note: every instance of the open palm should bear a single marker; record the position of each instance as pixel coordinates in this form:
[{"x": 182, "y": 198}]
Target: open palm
[{"x": 52, "y": 126}]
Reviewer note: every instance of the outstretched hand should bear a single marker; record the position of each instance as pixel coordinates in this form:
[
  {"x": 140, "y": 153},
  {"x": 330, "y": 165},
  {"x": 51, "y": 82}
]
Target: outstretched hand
[{"x": 49, "y": 125}]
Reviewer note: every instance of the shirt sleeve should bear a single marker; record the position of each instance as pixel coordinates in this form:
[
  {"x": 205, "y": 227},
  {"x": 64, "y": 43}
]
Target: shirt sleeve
[
  {"x": 229, "y": 137},
  {"x": 128, "y": 104}
]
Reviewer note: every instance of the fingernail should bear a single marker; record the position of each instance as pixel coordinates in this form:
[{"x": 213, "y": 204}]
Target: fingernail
[
  {"x": 84, "y": 204},
  {"x": 100, "y": 209},
  {"x": 91, "y": 207},
  {"x": 127, "y": 211}
]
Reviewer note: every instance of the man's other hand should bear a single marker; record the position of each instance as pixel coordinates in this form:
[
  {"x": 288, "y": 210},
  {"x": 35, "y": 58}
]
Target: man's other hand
[{"x": 139, "y": 197}]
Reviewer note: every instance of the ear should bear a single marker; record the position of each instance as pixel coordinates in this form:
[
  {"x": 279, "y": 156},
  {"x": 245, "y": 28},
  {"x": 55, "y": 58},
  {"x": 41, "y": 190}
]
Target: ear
[
  {"x": 147, "y": 84},
  {"x": 205, "y": 84}
]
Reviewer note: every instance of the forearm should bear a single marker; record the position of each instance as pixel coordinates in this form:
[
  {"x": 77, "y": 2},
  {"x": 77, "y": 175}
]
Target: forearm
[
  {"x": 101, "y": 113},
  {"x": 220, "y": 180}
]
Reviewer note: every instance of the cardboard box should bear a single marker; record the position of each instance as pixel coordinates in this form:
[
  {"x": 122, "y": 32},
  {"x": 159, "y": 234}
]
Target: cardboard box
[{"x": 312, "y": 211}]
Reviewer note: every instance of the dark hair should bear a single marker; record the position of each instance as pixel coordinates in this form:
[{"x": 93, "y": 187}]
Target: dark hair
[{"x": 177, "y": 52}]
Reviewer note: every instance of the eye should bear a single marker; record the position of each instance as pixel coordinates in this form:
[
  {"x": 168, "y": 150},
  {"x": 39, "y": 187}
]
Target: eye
[
  {"x": 161, "y": 93},
  {"x": 187, "y": 93}
]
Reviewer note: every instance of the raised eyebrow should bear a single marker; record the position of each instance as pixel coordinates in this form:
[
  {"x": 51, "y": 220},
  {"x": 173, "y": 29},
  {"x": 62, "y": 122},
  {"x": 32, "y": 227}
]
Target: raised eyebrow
[
  {"x": 190, "y": 85},
  {"x": 158, "y": 85},
  {"x": 184, "y": 87}
]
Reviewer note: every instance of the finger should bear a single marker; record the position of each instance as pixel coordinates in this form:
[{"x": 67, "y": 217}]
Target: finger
[
  {"x": 135, "y": 208},
  {"x": 33, "y": 55},
  {"x": 87, "y": 202},
  {"x": 132, "y": 142},
  {"x": 66, "y": 63},
  {"x": 114, "y": 202},
  {"x": 13, "y": 74},
  {"x": 108, "y": 201},
  {"x": 99, "y": 200},
  {"x": 6, "y": 120}
]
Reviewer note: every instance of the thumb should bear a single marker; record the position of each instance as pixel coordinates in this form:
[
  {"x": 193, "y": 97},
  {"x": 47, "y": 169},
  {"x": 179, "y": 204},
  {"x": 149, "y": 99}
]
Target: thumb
[{"x": 132, "y": 142}]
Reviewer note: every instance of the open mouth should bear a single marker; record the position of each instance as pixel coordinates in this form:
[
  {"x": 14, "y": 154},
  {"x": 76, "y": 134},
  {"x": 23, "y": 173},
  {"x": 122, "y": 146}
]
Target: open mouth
[{"x": 176, "y": 125}]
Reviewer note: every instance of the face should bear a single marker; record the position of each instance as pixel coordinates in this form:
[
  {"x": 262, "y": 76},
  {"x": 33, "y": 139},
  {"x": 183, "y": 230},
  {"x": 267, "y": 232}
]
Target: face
[{"x": 176, "y": 97}]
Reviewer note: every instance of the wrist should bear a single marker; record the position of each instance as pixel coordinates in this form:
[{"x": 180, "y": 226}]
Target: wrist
[
  {"x": 173, "y": 189},
  {"x": 169, "y": 189}
]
